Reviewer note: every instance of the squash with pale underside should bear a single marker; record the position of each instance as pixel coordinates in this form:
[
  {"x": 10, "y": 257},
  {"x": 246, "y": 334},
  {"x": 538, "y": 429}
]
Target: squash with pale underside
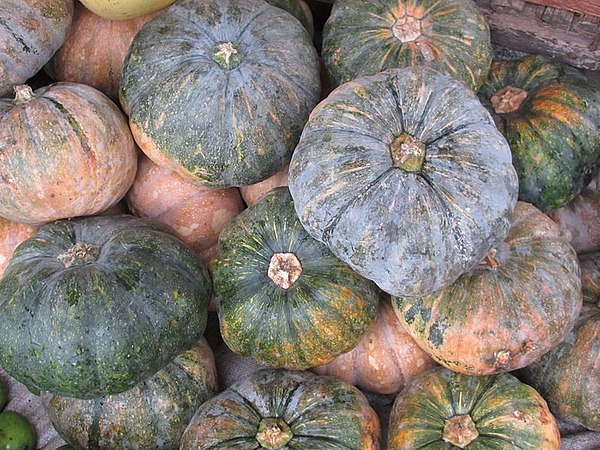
[
  {"x": 245, "y": 87},
  {"x": 124, "y": 9},
  {"x": 404, "y": 176}
]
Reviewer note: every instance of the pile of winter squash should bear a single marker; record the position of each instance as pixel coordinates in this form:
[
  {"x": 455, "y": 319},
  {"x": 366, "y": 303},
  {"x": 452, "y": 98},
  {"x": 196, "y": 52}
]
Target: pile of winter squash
[{"x": 374, "y": 206}]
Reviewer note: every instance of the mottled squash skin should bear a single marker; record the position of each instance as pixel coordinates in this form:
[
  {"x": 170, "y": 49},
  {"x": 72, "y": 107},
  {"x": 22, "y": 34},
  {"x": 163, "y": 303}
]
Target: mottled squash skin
[
  {"x": 65, "y": 151},
  {"x": 151, "y": 415},
  {"x": 550, "y": 116},
  {"x": 30, "y": 32},
  {"x": 412, "y": 230},
  {"x": 313, "y": 413},
  {"x": 438, "y": 409},
  {"x": 197, "y": 213},
  {"x": 568, "y": 376},
  {"x": 315, "y": 310},
  {"x": 11, "y": 235},
  {"x": 300, "y": 10},
  {"x": 363, "y": 37},
  {"x": 385, "y": 359},
  {"x": 93, "y": 306},
  {"x": 590, "y": 277},
  {"x": 94, "y": 51},
  {"x": 244, "y": 87},
  {"x": 506, "y": 312}
]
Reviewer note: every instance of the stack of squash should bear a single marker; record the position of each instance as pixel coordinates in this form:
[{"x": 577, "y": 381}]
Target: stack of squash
[{"x": 147, "y": 182}]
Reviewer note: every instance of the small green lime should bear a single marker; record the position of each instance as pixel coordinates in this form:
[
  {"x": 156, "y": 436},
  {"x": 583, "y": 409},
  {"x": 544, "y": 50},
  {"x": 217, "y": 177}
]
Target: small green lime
[
  {"x": 16, "y": 432},
  {"x": 3, "y": 395}
]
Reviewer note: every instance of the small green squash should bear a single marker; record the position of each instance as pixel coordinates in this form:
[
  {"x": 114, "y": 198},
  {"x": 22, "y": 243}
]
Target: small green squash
[
  {"x": 568, "y": 376},
  {"x": 363, "y": 37},
  {"x": 282, "y": 409},
  {"x": 217, "y": 93},
  {"x": 507, "y": 311},
  {"x": 283, "y": 298},
  {"x": 151, "y": 415},
  {"x": 441, "y": 409},
  {"x": 16, "y": 432},
  {"x": 30, "y": 32},
  {"x": 93, "y": 306},
  {"x": 550, "y": 116},
  {"x": 404, "y": 176}
]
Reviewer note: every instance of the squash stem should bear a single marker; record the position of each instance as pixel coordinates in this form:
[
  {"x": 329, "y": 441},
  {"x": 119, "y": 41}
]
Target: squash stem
[
  {"x": 508, "y": 99},
  {"x": 284, "y": 269},
  {"x": 80, "y": 253},
  {"x": 460, "y": 430},
  {"x": 273, "y": 433},
  {"x": 407, "y": 29},
  {"x": 227, "y": 55},
  {"x": 23, "y": 94},
  {"x": 490, "y": 259},
  {"x": 408, "y": 153}
]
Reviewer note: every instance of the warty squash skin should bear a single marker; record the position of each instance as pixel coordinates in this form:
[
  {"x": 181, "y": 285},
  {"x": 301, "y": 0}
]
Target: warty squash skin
[
  {"x": 568, "y": 376},
  {"x": 125, "y": 9},
  {"x": 404, "y": 176},
  {"x": 363, "y": 37},
  {"x": 282, "y": 409},
  {"x": 197, "y": 213},
  {"x": 94, "y": 51},
  {"x": 441, "y": 409},
  {"x": 93, "y": 306},
  {"x": 282, "y": 297},
  {"x": 216, "y": 93},
  {"x": 385, "y": 359},
  {"x": 30, "y": 32},
  {"x": 550, "y": 116},
  {"x": 65, "y": 151},
  {"x": 151, "y": 415},
  {"x": 507, "y": 311}
]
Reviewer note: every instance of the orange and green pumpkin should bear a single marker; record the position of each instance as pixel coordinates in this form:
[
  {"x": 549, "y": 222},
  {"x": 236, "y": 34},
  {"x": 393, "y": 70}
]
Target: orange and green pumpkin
[
  {"x": 404, "y": 176},
  {"x": 363, "y": 37},
  {"x": 568, "y": 376},
  {"x": 507, "y": 311},
  {"x": 151, "y": 415},
  {"x": 217, "y": 93},
  {"x": 283, "y": 298},
  {"x": 93, "y": 306},
  {"x": 550, "y": 116},
  {"x": 441, "y": 409},
  {"x": 283, "y": 409},
  {"x": 30, "y": 32}
]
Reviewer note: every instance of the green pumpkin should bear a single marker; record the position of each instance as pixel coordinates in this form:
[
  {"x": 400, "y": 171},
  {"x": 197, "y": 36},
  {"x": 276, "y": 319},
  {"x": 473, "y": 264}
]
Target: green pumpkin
[
  {"x": 283, "y": 298},
  {"x": 404, "y": 176},
  {"x": 16, "y": 432},
  {"x": 568, "y": 376},
  {"x": 217, "y": 93},
  {"x": 508, "y": 310},
  {"x": 550, "y": 116},
  {"x": 282, "y": 409},
  {"x": 363, "y": 37},
  {"x": 441, "y": 409},
  {"x": 151, "y": 415},
  {"x": 93, "y": 306}
]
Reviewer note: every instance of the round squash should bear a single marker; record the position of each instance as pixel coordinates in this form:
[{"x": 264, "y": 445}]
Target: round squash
[
  {"x": 507, "y": 311},
  {"x": 251, "y": 194},
  {"x": 550, "y": 116},
  {"x": 441, "y": 409},
  {"x": 300, "y": 10},
  {"x": 362, "y": 37},
  {"x": 152, "y": 414},
  {"x": 385, "y": 359},
  {"x": 93, "y": 306},
  {"x": 281, "y": 409},
  {"x": 30, "y": 32},
  {"x": 590, "y": 277},
  {"x": 404, "y": 176},
  {"x": 94, "y": 51},
  {"x": 283, "y": 298},
  {"x": 217, "y": 93},
  {"x": 579, "y": 220},
  {"x": 16, "y": 432},
  {"x": 124, "y": 9},
  {"x": 196, "y": 213},
  {"x": 11, "y": 235},
  {"x": 65, "y": 151},
  {"x": 568, "y": 376}
]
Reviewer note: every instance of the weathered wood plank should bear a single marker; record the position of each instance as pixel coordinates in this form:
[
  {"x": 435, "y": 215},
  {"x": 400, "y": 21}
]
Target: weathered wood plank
[{"x": 591, "y": 7}]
